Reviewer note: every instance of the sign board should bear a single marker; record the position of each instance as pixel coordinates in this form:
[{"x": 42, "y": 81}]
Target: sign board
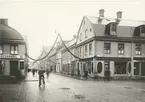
[{"x": 11, "y": 56}]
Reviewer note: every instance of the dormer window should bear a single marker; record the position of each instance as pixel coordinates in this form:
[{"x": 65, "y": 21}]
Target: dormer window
[
  {"x": 139, "y": 31},
  {"x": 142, "y": 29},
  {"x": 111, "y": 28}
]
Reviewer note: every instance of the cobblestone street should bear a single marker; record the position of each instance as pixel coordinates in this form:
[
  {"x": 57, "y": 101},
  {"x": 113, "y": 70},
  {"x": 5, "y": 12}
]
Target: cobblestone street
[{"x": 63, "y": 89}]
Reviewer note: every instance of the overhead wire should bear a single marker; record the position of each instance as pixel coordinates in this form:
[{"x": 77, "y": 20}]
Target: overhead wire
[
  {"x": 42, "y": 57},
  {"x": 68, "y": 48}
]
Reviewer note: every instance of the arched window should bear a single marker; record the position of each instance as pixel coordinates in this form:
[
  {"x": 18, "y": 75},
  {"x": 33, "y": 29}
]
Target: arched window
[{"x": 99, "y": 67}]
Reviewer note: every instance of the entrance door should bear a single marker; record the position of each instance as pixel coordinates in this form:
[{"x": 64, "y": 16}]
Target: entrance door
[
  {"x": 136, "y": 70},
  {"x": 13, "y": 68},
  {"x": 106, "y": 68},
  {"x": 0, "y": 67},
  {"x": 143, "y": 69}
]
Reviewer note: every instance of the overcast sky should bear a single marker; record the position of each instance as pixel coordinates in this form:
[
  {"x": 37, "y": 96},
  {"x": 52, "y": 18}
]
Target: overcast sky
[{"x": 38, "y": 19}]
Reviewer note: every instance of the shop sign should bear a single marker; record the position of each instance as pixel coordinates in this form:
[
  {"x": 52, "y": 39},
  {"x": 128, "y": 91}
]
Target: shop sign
[{"x": 12, "y": 56}]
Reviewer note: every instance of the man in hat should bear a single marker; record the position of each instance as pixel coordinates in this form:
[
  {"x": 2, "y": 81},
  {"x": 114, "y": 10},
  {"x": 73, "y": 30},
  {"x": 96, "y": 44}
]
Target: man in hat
[{"x": 41, "y": 76}]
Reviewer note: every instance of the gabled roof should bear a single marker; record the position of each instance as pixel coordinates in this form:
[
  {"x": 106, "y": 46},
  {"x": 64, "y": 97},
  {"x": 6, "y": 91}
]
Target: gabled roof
[
  {"x": 122, "y": 22},
  {"x": 71, "y": 42}
]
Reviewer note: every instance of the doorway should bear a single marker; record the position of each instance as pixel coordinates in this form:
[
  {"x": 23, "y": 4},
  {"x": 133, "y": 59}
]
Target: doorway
[
  {"x": 0, "y": 67},
  {"x": 13, "y": 68},
  {"x": 143, "y": 69}
]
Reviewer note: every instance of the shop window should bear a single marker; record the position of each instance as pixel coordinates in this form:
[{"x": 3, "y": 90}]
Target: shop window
[
  {"x": 21, "y": 65},
  {"x": 107, "y": 48},
  {"x": 99, "y": 67},
  {"x": 90, "y": 49},
  {"x": 129, "y": 68},
  {"x": 120, "y": 68},
  {"x": 86, "y": 50},
  {"x": 120, "y": 49},
  {"x": 14, "y": 49},
  {"x": 138, "y": 49},
  {"x": 1, "y": 49}
]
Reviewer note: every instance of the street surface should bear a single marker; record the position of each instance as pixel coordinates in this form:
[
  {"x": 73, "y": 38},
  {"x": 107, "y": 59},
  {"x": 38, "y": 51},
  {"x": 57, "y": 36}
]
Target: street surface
[{"x": 64, "y": 89}]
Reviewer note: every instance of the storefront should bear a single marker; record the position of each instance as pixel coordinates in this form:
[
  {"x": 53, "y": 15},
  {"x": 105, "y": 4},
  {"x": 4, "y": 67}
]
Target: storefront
[{"x": 113, "y": 66}]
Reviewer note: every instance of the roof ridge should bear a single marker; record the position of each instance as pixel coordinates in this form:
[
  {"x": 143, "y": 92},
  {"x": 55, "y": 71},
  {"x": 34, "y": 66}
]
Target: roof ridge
[{"x": 116, "y": 18}]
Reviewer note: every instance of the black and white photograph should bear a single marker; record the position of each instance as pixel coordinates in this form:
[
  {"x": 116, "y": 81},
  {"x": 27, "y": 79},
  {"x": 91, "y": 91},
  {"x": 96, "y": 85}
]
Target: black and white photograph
[{"x": 72, "y": 50}]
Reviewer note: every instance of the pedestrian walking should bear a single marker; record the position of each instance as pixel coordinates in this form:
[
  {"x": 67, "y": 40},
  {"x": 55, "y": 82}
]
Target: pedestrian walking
[
  {"x": 47, "y": 73},
  {"x": 33, "y": 71},
  {"x": 86, "y": 74},
  {"x": 41, "y": 76}
]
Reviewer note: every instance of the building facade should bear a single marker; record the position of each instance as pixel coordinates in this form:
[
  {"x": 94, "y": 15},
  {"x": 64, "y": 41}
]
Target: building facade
[
  {"x": 68, "y": 60},
  {"x": 113, "y": 45},
  {"x": 12, "y": 51}
]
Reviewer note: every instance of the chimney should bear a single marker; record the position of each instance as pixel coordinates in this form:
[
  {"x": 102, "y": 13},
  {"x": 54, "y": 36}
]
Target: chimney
[
  {"x": 119, "y": 15},
  {"x": 101, "y": 13},
  {"x": 4, "y": 21}
]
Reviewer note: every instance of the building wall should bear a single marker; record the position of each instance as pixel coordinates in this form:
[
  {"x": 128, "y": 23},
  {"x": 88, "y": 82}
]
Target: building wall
[
  {"x": 114, "y": 49},
  {"x": 86, "y": 24},
  {"x": 22, "y": 58}
]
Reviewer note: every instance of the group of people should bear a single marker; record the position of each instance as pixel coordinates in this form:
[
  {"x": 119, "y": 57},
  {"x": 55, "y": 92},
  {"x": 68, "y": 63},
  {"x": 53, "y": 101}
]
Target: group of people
[{"x": 41, "y": 75}]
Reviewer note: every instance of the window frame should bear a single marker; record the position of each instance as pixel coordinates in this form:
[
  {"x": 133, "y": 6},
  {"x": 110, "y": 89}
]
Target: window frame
[
  {"x": 142, "y": 28},
  {"x": 113, "y": 29},
  {"x": 90, "y": 51},
  {"x": 14, "y": 53},
  {"x": 80, "y": 36},
  {"x": 107, "y": 51},
  {"x": 86, "y": 35},
  {"x": 137, "y": 51},
  {"x": 120, "y": 51},
  {"x": 86, "y": 50}
]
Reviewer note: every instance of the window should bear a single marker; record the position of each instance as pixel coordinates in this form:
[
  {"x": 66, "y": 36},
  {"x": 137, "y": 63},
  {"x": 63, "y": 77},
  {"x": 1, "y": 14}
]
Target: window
[
  {"x": 14, "y": 49},
  {"x": 80, "y": 36},
  {"x": 120, "y": 49},
  {"x": 138, "y": 49},
  {"x": 86, "y": 33},
  {"x": 120, "y": 68},
  {"x": 142, "y": 29},
  {"x": 107, "y": 48},
  {"x": 80, "y": 51},
  {"x": 21, "y": 65},
  {"x": 90, "y": 29},
  {"x": 1, "y": 49},
  {"x": 99, "y": 67},
  {"x": 90, "y": 49},
  {"x": 113, "y": 27},
  {"x": 86, "y": 50}
]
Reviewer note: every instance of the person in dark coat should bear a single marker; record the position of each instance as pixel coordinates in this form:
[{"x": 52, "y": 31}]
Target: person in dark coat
[{"x": 41, "y": 76}]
